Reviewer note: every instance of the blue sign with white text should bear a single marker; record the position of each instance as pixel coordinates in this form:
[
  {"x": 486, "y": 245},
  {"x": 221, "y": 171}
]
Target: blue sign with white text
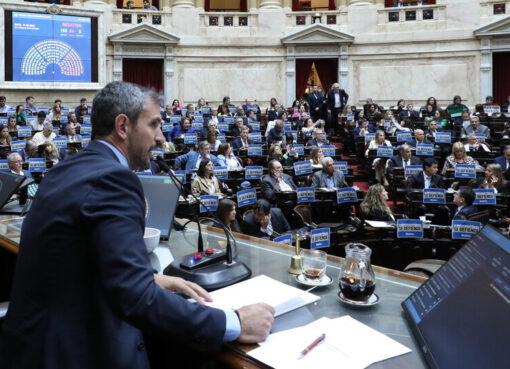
[
  {"x": 464, "y": 229},
  {"x": 303, "y": 167},
  {"x": 305, "y": 194},
  {"x": 319, "y": 238},
  {"x": 485, "y": 196},
  {"x": 347, "y": 194},
  {"x": 253, "y": 172},
  {"x": 434, "y": 196},
  {"x": 285, "y": 239},
  {"x": 209, "y": 202},
  {"x": 37, "y": 164},
  {"x": 246, "y": 197},
  {"x": 409, "y": 228}
]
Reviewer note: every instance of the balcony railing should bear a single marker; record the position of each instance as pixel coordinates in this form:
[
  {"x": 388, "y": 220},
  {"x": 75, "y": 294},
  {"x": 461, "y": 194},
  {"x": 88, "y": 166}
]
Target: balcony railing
[
  {"x": 412, "y": 14},
  {"x": 128, "y": 17},
  {"x": 331, "y": 17},
  {"x": 223, "y": 19}
]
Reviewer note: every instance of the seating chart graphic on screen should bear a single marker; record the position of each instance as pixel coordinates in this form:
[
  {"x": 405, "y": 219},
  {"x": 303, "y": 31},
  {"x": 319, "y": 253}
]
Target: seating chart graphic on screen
[{"x": 51, "y": 48}]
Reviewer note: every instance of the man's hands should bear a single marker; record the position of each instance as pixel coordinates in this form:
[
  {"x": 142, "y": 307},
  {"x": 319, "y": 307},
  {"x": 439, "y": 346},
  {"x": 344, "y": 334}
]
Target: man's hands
[
  {"x": 265, "y": 221},
  {"x": 176, "y": 284},
  {"x": 256, "y": 322}
]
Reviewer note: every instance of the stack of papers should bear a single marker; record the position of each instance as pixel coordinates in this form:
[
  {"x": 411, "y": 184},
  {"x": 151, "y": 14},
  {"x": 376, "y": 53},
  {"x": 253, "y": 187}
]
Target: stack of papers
[{"x": 348, "y": 344}]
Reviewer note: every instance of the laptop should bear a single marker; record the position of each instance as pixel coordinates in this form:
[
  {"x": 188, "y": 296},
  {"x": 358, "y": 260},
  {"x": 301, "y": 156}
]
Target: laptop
[
  {"x": 161, "y": 199},
  {"x": 461, "y": 315},
  {"x": 9, "y": 184}
]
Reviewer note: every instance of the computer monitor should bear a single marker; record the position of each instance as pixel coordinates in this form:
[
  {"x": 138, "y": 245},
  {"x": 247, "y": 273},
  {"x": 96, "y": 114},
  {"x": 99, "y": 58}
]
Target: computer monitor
[
  {"x": 461, "y": 315},
  {"x": 161, "y": 198},
  {"x": 9, "y": 183}
]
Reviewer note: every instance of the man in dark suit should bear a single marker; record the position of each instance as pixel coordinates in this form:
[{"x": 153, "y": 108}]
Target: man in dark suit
[
  {"x": 475, "y": 127},
  {"x": 428, "y": 178},
  {"x": 403, "y": 160},
  {"x": 337, "y": 99},
  {"x": 318, "y": 139},
  {"x": 464, "y": 198},
  {"x": 504, "y": 160},
  {"x": 409, "y": 112},
  {"x": 315, "y": 102},
  {"x": 265, "y": 221},
  {"x": 242, "y": 141},
  {"x": 419, "y": 138},
  {"x": 84, "y": 287},
  {"x": 276, "y": 181},
  {"x": 328, "y": 177},
  {"x": 275, "y": 133}
]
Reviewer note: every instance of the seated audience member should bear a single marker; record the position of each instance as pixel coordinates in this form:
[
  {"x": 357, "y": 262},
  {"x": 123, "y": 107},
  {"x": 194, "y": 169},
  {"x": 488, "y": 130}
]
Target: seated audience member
[
  {"x": 46, "y": 135},
  {"x": 463, "y": 199},
  {"x": 179, "y": 130},
  {"x": 212, "y": 139},
  {"x": 401, "y": 106},
  {"x": 240, "y": 112},
  {"x": 409, "y": 112},
  {"x": 272, "y": 110},
  {"x": 11, "y": 124},
  {"x": 49, "y": 151},
  {"x": 205, "y": 183},
  {"x": 475, "y": 127},
  {"x": 212, "y": 117},
  {"x": 5, "y": 137},
  {"x": 379, "y": 164},
  {"x": 21, "y": 117},
  {"x": 211, "y": 126},
  {"x": 474, "y": 145},
  {"x": 82, "y": 109},
  {"x": 428, "y": 178},
  {"x": 457, "y": 103},
  {"x": 227, "y": 214},
  {"x": 375, "y": 206},
  {"x": 373, "y": 113},
  {"x": 433, "y": 103},
  {"x": 328, "y": 177},
  {"x": 176, "y": 107},
  {"x": 308, "y": 127},
  {"x": 201, "y": 103},
  {"x": 379, "y": 140},
  {"x": 300, "y": 123},
  {"x": 504, "y": 160},
  {"x": 167, "y": 146},
  {"x": 265, "y": 221},
  {"x": 248, "y": 103},
  {"x": 30, "y": 151},
  {"x": 165, "y": 115},
  {"x": 362, "y": 129},
  {"x": 72, "y": 120},
  {"x": 148, "y": 7},
  {"x": 493, "y": 179},
  {"x": 347, "y": 134},
  {"x": 394, "y": 126},
  {"x": 432, "y": 130},
  {"x": 318, "y": 139},
  {"x": 4, "y": 108},
  {"x": 419, "y": 138},
  {"x": 403, "y": 159},
  {"x": 458, "y": 156},
  {"x": 130, "y": 5},
  {"x": 29, "y": 107},
  {"x": 368, "y": 105},
  {"x": 224, "y": 111},
  {"x": 192, "y": 159},
  {"x": 276, "y": 153},
  {"x": 316, "y": 156},
  {"x": 225, "y": 102},
  {"x": 37, "y": 125},
  {"x": 276, "y": 133},
  {"x": 506, "y": 106},
  {"x": 242, "y": 142},
  {"x": 489, "y": 101},
  {"x": 226, "y": 157},
  {"x": 55, "y": 115},
  {"x": 15, "y": 163},
  {"x": 238, "y": 124},
  {"x": 276, "y": 181},
  {"x": 71, "y": 134}
]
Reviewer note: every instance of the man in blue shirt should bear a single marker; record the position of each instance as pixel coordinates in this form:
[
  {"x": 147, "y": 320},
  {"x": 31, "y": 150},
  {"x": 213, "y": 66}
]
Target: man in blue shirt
[{"x": 30, "y": 108}]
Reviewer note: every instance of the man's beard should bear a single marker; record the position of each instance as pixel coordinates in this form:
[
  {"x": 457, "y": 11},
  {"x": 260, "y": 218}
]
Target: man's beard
[{"x": 138, "y": 158}]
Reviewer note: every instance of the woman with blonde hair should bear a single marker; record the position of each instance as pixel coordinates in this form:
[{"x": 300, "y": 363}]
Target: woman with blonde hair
[
  {"x": 379, "y": 165},
  {"x": 494, "y": 179},
  {"x": 458, "y": 156},
  {"x": 50, "y": 151},
  {"x": 374, "y": 206},
  {"x": 316, "y": 156}
]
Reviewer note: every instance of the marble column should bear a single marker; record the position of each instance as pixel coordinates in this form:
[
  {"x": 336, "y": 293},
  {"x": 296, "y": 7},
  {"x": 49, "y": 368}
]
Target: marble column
[
  {"x": 165, "y": 4},
  {"x": 343, "y": 67},
  {"x": 200, "y": 4},
  {"x": 183, "y": 4},
  {"x": 270, "y": 4},
  {"x": 290, "y": 74},
  {"x": 485, "y": 68}
]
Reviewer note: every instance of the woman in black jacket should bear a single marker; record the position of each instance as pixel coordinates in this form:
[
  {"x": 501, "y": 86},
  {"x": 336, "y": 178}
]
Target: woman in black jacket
[{"x": 374, "y": 206}]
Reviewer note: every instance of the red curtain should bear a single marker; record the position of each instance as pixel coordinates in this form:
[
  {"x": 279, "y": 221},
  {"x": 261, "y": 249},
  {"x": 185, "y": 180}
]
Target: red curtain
[
  {"x": 244, "y": 5},
  {"x": 327, "y": 69},
  {"x": 389, "y": 3},
  {"x": 303, "y": 68},
  {"x": 295, "y": 5},
  {"x": 144, "y": 72},
  {"x": 207, "y": 5},
  {"x": 332, "y": 5},
  {"x": 500, "y": 77},
  {"x": 120, "y": 4}
]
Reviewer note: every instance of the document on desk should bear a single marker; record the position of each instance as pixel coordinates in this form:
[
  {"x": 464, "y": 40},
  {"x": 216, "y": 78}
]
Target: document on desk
[
  {"x": 347, "y": 344},
  {"x": 282, "y": 297}
]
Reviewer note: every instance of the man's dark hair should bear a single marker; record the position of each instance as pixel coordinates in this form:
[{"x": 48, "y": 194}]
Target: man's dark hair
[
  {"x": 271, "y": 164},
  {"x": 28, "y": 98},
  {"x": 57, "y": 101},
  {"x": 263, "y": 205},
  {"x": 119, "y": 98},
  {"x": 41, "y": 114},
  {"x": 225, "y": 99},
  {"x": 427, "y": 163},
  {"x": 3, "y": 98},
  {"x": 467, "y": 194},
  {"x": 201, "y": 167}
]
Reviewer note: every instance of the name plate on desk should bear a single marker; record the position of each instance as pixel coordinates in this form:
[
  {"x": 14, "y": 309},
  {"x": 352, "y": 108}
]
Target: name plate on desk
[
  {"x": 252, "y": 107},
  {"x": 197, "y": 117},
  {"x": 434, "y": 196},
  {"x": 253, "y": 172},
  {"x": 60, "y": 143},
  {"x": 481, "y": 137},
  {"x": 85, "y": 129},
  {"x": 190, "y": 138},
  {"x": 328, "y": 150},
  {"x": 305, "y": 194},
  {"x": 303, "y": 167},
  {"x": 246, "y": 197},
  {"x": 409, "y": 228},
  {"x": 158, "y": 152},
  {"x": 412, "y": 170},
  {"x": 491, "y": 109},
  {"x": 485, "y": 196},
  {"x": 197, "y": 126},
  {"x": 254, "y": 125},
  {"x": 167, "y": 127},
  {"x": 85, "y": 141},
  {"x": 222, "y": 138},
  {"x": 86, "y": 119},
  {"x": 175, "y": 118},
  {"x": 24, "y": 131},
  {"x": 385, "y": 151},
  {"x": 443, "y": 137},
  {"x": 255, "y": 150},
  {"x": 369, "y": 137},
  {"x": 287, "y": 126},
  {"x": 205, "y": 110},
  {"x": 300, "y": 150},
  {"x": 228, "y": 120},
  {"x": 18, "y": 145},
  {"x": 464, "y": 229},
  {"x": 319, "y": 238},
  {"x": 4, "y": 165},
  {"x": 221, "y": 172},
  {"x": 403, "y": 136},
  {"x": 286, "y": 239},
  {"x": 347, "y": 194},
  {"x": 211, "y": 201},
  {"x": 37, "y": 164},
  {"x": 425, "y": 149},
  {"x": 222, "y": 127},
  {"x": 341, "y": 166},
  {"x": 465, "y": 171},
  {"x": 56, "y": 130},
  {"x": 3, "y": 121},
  {"x": 255, "y": 137},
  {"x": 181, "y": 175}
]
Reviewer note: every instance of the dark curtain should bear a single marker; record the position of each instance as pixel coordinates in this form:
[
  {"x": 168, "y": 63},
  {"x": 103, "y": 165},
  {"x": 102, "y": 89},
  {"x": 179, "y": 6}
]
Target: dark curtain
[
  {"x": 389, "y": 3},
  {"x": 144, "y": 72},
  {"x": 327, "y": 69},
  {"x": 156, "y": 3},
  {"x": 500, "y": 77},
  {"x": 120, "y": 4},
  {"x": 244, "y": 5},
  {"x": 207, "y": 5},
  {"x": 295, "y": 5},
  {"x": 332, "y": 5},
  {"x": 303, "y": 68}
]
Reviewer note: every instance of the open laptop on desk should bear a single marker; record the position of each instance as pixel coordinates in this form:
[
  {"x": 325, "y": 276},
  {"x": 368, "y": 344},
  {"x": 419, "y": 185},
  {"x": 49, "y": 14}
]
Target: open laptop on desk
[{"x": 461, "y": 315}]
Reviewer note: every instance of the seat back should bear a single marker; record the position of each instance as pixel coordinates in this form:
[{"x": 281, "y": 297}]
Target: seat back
[
  {"x": 303, "y": 213},
  {"x": 481, "y": 216}
]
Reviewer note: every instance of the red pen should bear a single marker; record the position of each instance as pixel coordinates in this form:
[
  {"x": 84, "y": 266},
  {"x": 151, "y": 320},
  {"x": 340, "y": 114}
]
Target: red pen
[{"x": 312, "y": 345}]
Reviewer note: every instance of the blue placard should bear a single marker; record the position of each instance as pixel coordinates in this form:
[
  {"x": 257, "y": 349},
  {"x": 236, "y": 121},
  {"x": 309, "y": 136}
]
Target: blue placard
[
  {"x": 341, "y": 166},
  {"x": 56, "y": 130},
  {"x": 369, "y": 137},
  {"x": 66, "y": 110},
  {"x": 3, "y": 121},
  {"x": 346, "y": 194},
  {"x": 481, "y": 137},
  {"x": 350, "y": 116},
  {"x": 319, "y": 238},
  {"x": 60, "y": 143},
  {"x": 210, "y": 201},
  {"x": 287, "y": 126},
  {"x": 158, "y": 152},
  {"x": 221, "y": 172},
  {"x": 253, "y": 172},
  {"x": 229, "y": 120},
  {"x": 222, "y": 127},
  {"x": 255, "y": 137},
  {"x": 86, "y": 119},
  {"x": 86, "y": 129},
  {"x": 412, "y": 170},
  {"x": 254, "y": 150},
  {"x": 434, "y": 196},
  {"x": 222, "y": 138},
  {"x": 300, "y": 149},
  {"x": 232, "y": 109},
  {"x": 305, "y": 194},
  {"x": 425, "y": 149},
  {"x": 4, "y": 165},
  {"x": 443, "y": 137},
  {"x": 197, "y": 117},
  {"x": 387, "y": 124},
  {"x": 246, "y": 197},
  {"x": 294, "y": 136},
  {"x": 285, "y": 239},
  {"x": 252, "y": 107},
  {"x": 303, "y": 167},
  {"x": 85, "y": 141},
  {"x": 175, "y": 118},
  {"x": 167, "y": 127},
  {"x": 485, "y": 196},
  {"x": 403, "y": 136},
  {"x": 190, "y": 138},
  {"x": 409, "y": 228},
  {"x": 328, "y": 150},
  {"x": 464, "y": 229},
  {"x": 197, "y": 126},
  {"x": 254, "y": 125},
  {"x": 37, "y": 164},
  {"x": 385, "y": 151},
  {"x": 18, "y": 145},
  {"x": 24, "y": 131},
  {"x": 144, "y": 173},
  {"x": 465, "y": 171},
  {"x": 181, "y": 175},
  {"x": 205, "y": 110}
]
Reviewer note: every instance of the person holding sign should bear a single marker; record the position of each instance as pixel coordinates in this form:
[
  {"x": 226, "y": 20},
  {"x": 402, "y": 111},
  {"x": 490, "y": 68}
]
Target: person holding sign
[
  {"x": 226, "y": 212},
  {"x": 474, "y": 144},
  {"x": 458, "y": 156},
  {"x": 276, "y": 181},
  {"x": 328, "y": 177},
  {"x": 464, "y": 198},
  {"x": 409, "y": 112},
  {"x": 475, "y": 127},
  {"x": 426, "y": 179},
  {"x": 205, "y": 183},
  {"x": 375, "y": 206},
  {"x": 493, "y": 179},
  {"x": 265, "y": 221}
]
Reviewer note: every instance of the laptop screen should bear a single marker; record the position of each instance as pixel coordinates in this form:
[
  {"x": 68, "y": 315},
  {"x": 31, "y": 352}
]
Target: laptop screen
[
  {"x": 9, "y": 183},
  {"x": 461, "y": 315},
  {"x": 161, "y": 198}
]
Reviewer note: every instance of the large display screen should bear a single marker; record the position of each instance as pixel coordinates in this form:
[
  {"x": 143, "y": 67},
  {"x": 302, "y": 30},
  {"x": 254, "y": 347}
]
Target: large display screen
[{"x": 51, "y": 48}]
